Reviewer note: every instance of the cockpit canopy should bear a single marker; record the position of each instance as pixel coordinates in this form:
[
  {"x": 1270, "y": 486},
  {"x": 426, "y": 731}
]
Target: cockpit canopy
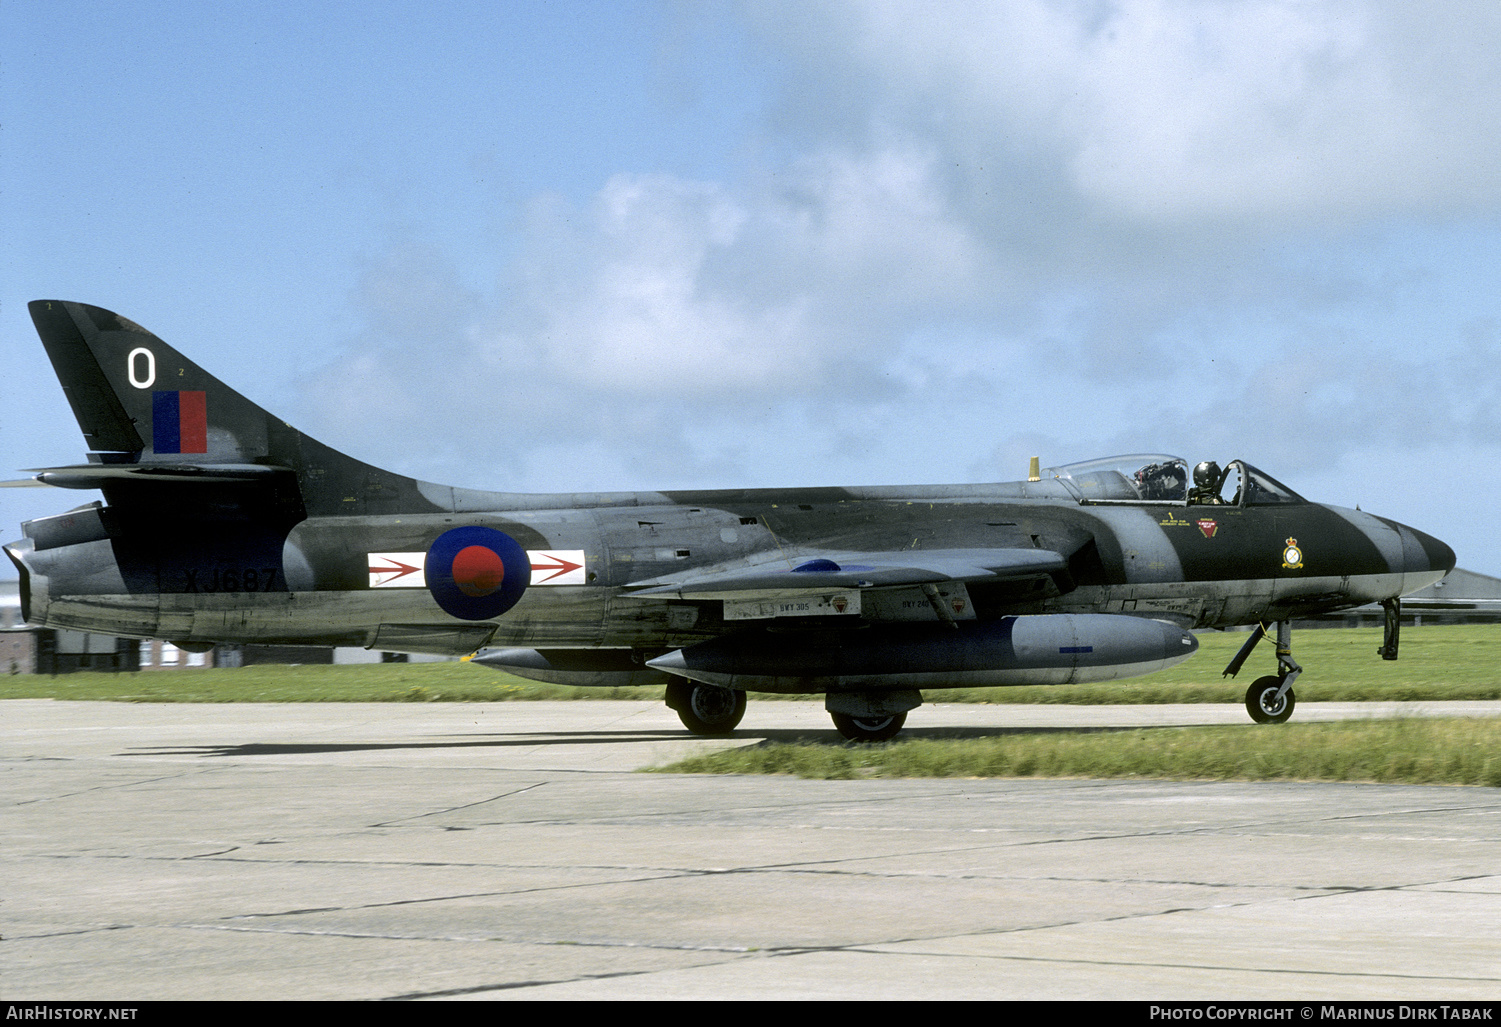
[{"x": 1159, "y": 478}]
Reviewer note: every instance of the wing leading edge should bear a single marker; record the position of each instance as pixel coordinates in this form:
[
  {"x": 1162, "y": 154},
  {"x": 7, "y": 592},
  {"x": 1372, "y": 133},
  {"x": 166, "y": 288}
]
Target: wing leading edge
[{"x": 836, "y": 571}]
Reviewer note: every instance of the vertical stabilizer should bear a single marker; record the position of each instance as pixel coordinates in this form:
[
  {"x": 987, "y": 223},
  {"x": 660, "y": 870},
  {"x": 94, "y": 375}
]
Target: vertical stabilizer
[
  {"x": 132, "y": 393},
  {"x": 141, "y": 402}
]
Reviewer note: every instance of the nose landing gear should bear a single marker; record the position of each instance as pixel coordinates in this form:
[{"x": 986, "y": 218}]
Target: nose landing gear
[{"x": 1270, "y": 700}]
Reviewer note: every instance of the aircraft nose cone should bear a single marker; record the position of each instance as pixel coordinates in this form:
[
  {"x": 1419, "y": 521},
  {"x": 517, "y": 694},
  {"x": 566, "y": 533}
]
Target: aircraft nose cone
[
  {"x": 1429, "y": 554},
  {"x": 1425, "y": 559},
  {"x": 1440, "y": 556}
]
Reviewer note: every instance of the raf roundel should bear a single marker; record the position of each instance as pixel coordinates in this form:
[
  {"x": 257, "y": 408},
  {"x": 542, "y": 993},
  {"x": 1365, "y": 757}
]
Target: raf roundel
[{"x": 477, "y": 573}]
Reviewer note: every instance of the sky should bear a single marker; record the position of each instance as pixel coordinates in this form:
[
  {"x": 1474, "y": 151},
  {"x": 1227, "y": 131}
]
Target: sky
[{"x": 637, "y": 244}]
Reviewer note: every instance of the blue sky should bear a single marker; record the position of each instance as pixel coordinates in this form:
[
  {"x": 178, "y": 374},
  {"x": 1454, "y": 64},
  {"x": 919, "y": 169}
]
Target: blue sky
[{"x": 594, "y": 246}]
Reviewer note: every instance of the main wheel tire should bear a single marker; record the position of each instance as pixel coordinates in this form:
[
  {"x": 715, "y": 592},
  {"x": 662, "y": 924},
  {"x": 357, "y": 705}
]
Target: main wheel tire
[
  {"x": 868, "y": 729},
  {"x": 1262, "y": 702},
  {"x": 706, "y": 709}
]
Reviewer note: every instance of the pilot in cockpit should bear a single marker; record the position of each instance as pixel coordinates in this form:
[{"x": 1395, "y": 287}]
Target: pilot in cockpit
[{"x": 1208, "y": 480}]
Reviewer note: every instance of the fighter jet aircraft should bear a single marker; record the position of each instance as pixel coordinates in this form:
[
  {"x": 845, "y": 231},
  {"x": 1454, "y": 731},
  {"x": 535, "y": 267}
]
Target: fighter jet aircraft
[{"x": 223, "y": 524}]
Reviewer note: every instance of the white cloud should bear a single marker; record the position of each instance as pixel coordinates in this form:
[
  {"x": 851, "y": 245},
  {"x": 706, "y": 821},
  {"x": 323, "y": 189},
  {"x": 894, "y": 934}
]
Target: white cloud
[
  {"x": 1173, "y": 111},
  {"x": 629, "y": 306},
  {"x": 663, "y": 283}
]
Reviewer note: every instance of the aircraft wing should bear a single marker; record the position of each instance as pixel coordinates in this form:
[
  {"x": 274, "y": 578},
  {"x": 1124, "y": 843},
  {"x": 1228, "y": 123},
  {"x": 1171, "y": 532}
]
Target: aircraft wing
[{"x": 837, "y": 571}]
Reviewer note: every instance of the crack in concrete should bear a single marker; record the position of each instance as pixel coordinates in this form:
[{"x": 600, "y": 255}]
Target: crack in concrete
[
  {"x": 1177, "y": 966},
  {"x": 468, "y": 805},
  {"x": 665, "y": 876},
  {"x": 106, "y": 788},
  {"x": 822, "y": 867}
]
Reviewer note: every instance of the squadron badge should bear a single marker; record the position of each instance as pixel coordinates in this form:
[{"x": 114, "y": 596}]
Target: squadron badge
[{"x": 1292, "y": 556}]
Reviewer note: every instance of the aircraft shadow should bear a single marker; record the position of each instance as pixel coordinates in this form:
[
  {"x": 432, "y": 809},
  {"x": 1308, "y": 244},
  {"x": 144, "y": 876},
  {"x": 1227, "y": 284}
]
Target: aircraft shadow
[{"x": 821, "y": 736}]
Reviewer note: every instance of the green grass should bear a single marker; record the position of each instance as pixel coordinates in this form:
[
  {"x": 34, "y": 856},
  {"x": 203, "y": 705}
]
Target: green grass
[
  {"x": 1438, "y": 662},
  {"x": 367, "y": 682},
  {"x": 1340, "y": 665},
  {"x": 1406, "y": 751}
]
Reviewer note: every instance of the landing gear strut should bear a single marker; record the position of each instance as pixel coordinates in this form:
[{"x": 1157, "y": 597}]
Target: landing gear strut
[
  {"x": 706, "y": 709},
  {"x": 1392, "y": 637},
  {"x": 1270, "y": 700}
]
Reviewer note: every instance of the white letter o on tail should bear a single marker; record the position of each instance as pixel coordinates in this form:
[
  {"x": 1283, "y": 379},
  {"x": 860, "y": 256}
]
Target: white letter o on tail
[{"x": 130, "y": 368}]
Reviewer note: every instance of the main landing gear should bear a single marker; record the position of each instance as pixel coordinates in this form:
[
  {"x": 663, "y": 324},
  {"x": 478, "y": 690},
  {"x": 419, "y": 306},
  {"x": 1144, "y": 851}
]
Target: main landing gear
[
  {"x": 871, "y": 716},
  {"x": 1270, "y": 699},
  {"x": 714, "y": 710},
  {"x": 868, "y": 729},
  {"x": 706, "y": 709}
]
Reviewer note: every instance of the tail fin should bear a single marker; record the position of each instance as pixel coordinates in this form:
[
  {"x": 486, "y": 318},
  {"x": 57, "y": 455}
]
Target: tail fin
[
  {"x": 133, "y": 394},
  {"x": 150, "y": 414}
]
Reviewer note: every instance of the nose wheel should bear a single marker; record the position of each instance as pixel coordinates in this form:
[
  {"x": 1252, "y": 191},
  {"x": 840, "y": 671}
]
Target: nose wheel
[{"x": 1270, "y": 700}]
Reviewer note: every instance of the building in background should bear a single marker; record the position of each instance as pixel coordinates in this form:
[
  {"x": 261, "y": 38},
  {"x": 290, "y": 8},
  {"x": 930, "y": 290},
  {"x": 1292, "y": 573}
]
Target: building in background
[
  {"x": 1463, "y": 597},
  {"x": 17, "y": 641},
  {"x": 153, "y": 654}
]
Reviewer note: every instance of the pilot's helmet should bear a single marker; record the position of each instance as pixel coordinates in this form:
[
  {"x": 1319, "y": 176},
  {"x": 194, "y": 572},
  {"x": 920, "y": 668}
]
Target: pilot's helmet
[{"x": 1207, "y": 474}]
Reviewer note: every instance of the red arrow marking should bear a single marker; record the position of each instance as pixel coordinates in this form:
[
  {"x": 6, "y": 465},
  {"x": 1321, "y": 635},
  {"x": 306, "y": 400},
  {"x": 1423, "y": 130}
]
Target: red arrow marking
[
  {"x": 558, "y": 567},
  {"x": 401, "y": 569}
]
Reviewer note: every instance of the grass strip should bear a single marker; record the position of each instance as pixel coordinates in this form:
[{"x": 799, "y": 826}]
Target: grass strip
[
  {"x": 366, "y": 682},
  {"x": 1456, "y": 662},
  {"x": 1405, "y": 750}
]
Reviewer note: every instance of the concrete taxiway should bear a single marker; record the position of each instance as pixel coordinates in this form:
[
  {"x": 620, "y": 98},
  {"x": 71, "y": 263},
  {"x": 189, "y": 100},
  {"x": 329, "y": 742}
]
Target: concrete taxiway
[{"x": 509, "y": 851}]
